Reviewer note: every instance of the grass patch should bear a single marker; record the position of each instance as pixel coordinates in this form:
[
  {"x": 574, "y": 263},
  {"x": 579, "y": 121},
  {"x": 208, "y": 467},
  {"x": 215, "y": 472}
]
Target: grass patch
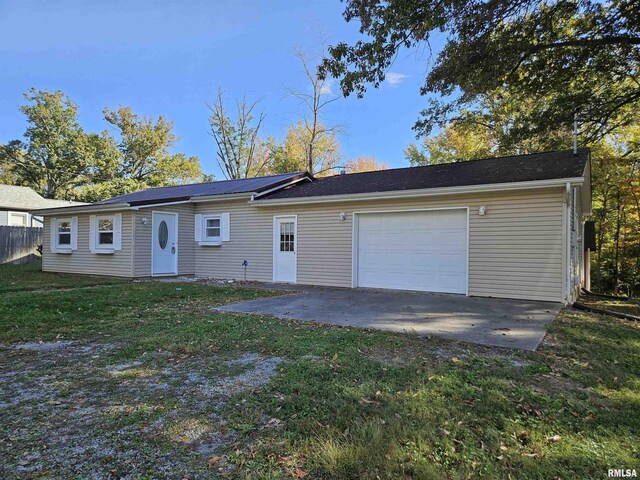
[
  {"x": 631, "y": 307},
  {"x": 349, "y": 403},
  {"x": 15, "y": 278}
]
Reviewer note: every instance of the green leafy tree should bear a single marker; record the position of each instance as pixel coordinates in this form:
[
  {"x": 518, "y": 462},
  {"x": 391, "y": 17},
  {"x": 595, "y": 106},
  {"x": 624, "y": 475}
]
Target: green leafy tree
[
  {"x": 52, "y": 159},
  {"x": 59, "y": 160},
  {"x": 561, "y": 56},
  {"x": 616, "y": 210},
  {"x": 137, "y": 157},
  {"x": 144, "y": 145},
  {"x": 457, "y": 142}
]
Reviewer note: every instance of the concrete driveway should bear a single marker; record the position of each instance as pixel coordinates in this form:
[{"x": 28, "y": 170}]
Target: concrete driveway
[{"x": 519, "y": 324}]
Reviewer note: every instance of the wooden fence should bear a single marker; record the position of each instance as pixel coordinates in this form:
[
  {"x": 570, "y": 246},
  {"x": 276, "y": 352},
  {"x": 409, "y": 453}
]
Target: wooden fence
[{"x": 19, "y": 244}]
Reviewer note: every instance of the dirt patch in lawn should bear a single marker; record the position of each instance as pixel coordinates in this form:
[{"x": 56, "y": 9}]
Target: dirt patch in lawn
[{"x": 90, "y": 410}]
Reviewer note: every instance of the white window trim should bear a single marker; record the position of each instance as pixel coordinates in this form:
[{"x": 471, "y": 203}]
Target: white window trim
[
  {"x": 201, "y": 229},
  {"x": 24, "y": 215},
  {"x": 207, "y": 239},
  {"x": 54, "y": 238},
  {"x": 94, "y": 234}
]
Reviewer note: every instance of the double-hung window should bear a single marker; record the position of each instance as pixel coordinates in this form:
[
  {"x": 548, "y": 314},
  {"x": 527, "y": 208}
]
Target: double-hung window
[
  {"x": 105, "y": 235},
  {"x": 105, "y": 232},
  {"x": 213, "y": 228},
  {"x": 63, "y": 234}
]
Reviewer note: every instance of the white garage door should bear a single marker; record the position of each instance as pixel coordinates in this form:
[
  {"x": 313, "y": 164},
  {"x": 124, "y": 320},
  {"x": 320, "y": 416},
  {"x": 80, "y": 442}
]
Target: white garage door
[{"x": 424, "y": 251}]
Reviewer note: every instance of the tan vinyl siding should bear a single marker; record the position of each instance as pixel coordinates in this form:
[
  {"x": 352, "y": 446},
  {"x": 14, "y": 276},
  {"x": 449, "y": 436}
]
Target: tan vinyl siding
[
  {"x": 186, "y": 244},
  {"x": 515, "y": 250},
  {"x": 82, "y": 260},
  {"x": 250, "y": 238}
]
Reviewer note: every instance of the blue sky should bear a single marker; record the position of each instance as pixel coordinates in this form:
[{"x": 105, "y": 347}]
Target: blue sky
[{"x": 169, "y": 58}]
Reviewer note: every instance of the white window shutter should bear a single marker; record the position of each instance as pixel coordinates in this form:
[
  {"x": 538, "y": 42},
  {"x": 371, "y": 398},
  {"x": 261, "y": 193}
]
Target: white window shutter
[
  {"x": 225, "y": 227},
  {"x": 53, "y": 225},
  {"x": 198, "y": 228},
  {"x": 92, "y": 233},
  {"x": 74, "y": 233},
  {"x": 117, "y": 231}
]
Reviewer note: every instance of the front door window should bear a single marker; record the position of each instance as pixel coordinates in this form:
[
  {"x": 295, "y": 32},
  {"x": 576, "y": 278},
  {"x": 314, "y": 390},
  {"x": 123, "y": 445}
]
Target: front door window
[{"x": 163, "y": 234}]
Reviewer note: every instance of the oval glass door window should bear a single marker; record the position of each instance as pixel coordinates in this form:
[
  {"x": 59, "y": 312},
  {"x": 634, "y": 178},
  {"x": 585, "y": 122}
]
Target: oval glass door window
[{"x": 163, "y": 234}]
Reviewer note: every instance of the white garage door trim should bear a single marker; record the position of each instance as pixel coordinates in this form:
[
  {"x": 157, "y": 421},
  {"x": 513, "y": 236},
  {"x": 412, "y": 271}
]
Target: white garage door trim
[{"x": 355, "y": 230}]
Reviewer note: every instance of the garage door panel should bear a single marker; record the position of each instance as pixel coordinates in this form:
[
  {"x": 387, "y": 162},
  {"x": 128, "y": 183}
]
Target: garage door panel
[{"x": 413, "y": 250}]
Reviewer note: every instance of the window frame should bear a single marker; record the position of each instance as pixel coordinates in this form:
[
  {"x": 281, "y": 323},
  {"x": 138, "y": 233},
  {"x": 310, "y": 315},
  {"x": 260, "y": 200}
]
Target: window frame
[
  {"x": 98, "y": 243},
  {"x": 205, "y": 236},
  {"x": 64, "y": 246},
  {"x": 24, "y": 215}
]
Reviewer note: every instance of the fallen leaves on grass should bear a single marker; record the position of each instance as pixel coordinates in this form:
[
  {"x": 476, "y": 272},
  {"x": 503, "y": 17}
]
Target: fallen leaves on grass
[{"x": 211, "y": 463}]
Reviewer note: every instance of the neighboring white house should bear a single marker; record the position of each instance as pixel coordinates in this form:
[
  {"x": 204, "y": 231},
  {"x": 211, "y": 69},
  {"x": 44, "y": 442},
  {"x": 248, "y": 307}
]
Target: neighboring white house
[
  {"x": 507, "y": 227},
  {"x": 16, "y": 202}
]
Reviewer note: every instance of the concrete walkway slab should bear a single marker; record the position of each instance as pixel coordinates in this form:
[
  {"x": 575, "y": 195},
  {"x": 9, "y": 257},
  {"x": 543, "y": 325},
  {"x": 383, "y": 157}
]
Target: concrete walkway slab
[{"x": 518, "y": 324}]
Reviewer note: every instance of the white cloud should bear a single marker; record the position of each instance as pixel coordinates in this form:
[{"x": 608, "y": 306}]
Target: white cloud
[
  {"x": 327, "y": 87},
  {"x": 394, "y": 78}
]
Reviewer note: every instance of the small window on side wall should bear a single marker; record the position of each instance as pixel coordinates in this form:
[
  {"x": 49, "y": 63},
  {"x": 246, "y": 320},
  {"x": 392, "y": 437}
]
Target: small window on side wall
[
  {"x": 212, "y": 229},
  {"x": 63, "y": 235},
  {"x": 105, "y": 233},
  {"x": 18, "y": 219}
]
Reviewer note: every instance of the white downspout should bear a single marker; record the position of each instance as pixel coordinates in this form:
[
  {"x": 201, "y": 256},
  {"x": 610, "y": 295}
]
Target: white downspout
[{"x": 567, "y": 272}]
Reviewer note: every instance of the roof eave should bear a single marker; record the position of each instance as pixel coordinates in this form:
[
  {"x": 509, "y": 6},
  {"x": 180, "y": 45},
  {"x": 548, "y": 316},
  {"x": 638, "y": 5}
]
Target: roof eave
[
  {"x": 109, "y": 207},
  {"x": 424, "y": 192}
]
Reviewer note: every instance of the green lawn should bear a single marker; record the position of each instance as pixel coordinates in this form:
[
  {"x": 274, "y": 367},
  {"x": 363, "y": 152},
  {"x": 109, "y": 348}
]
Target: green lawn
[
  {"x": 630, "y": 307},
  {"x": 29, "y": 277},
  {"x": 341, "y": 403}
]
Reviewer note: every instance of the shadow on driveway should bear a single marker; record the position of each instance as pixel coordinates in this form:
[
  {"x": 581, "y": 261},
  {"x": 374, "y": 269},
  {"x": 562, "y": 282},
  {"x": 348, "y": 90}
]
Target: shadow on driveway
[{"x": 519, "y": 324}]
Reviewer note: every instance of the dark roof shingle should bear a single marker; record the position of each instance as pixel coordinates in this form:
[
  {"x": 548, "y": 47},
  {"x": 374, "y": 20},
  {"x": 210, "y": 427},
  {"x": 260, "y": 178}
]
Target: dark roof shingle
[
  {"x": 184, "y": 192},
  {"x": 520, "y": 168}
]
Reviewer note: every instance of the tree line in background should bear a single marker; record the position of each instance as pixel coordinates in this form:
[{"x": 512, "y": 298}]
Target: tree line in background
[
  {"x": 58, "y": 159},
  {"x": 509, "y": 79}
]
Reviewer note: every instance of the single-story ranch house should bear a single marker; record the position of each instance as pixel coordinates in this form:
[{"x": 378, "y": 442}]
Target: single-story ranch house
[{"x": 500, "y": 227}]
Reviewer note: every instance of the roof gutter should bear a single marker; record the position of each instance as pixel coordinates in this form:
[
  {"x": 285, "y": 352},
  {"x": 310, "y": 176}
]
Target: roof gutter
[{"x": 424, "y": 192}]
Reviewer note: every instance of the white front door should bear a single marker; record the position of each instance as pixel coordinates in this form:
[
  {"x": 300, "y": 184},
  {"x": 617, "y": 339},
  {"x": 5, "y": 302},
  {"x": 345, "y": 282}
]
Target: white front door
[
  {"x": 419, "y": 250},
  {"x": 284, "y": 249},
  {"x": 164, "y": 237}
]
